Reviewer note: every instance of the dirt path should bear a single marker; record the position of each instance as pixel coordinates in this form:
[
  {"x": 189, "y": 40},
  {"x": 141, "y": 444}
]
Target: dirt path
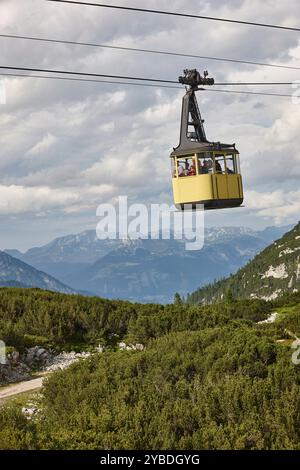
[
  {"x": 21, "y": 387},
  {"x": 62, "y": 361}
]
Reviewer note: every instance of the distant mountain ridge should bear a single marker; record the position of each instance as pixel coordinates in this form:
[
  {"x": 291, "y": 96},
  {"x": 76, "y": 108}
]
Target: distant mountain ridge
[
  {"x": 64, "y": 255},
  {"x": 146, "y": 270},
  {"x": 273, "y": 272},
  {"x": 14, "y": 272},
  {"x": 153, "y": 270}
]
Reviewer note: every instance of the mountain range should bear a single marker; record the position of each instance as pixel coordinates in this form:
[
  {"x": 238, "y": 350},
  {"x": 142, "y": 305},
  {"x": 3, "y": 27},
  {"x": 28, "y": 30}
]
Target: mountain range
[
  {"x": 145, "y": 270},
  {"x": 273, "y": 272},
  {"x": 14, "y": 272}
]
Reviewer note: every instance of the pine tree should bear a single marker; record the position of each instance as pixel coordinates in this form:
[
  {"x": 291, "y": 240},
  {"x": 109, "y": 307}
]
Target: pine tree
[
  {"x": 177, "y": 299},
  {"x": 229, "y": 296}
]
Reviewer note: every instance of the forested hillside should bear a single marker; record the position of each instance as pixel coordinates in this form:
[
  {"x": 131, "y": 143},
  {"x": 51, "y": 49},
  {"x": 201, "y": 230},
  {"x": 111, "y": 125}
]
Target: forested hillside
[
  {"x": 273, "y": 272},
  {"x": 33, "y": 315},
  {"x": 210, "y": 377}
]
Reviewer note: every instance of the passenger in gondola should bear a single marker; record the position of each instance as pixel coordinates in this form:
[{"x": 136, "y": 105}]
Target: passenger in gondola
[
  {"x": 192, "y": 170},
  {"x": 180, "y": 170},
  {"x": 187, "y": 169},
  {"x": 205, "y": 167},
  {"x": 218, "y": 167},
  {"x": 209, "y": 165}
]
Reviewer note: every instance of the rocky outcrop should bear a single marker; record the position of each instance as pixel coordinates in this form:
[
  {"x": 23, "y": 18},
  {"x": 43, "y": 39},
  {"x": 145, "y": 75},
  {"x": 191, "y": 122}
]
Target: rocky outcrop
[
  {"x": 14, "y": 370},
  {"x": 37, "y": 357},
  {"x": 64, "y": 360},
  {"x": 20, "y": 367},
  {"x": 131, "y": 347}
]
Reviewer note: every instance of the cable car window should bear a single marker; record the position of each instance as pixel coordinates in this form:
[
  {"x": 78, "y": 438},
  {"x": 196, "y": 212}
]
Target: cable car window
[
  {"x": 237, "y": 164},
  {"x": 230, "y": 167},
  {"x": 219, "y": 164},
  {"x": 205, "y": 163},
  {"x": 173, "y": 168},
  {"x": 186, "y": 166}
]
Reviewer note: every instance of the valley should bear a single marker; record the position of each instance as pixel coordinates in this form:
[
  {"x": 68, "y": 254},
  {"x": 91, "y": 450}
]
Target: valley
[{"x": 138, "y": 270}]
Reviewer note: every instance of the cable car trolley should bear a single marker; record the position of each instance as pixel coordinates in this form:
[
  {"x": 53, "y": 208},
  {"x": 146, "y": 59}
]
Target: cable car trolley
[{"x": 203, "y": 172}]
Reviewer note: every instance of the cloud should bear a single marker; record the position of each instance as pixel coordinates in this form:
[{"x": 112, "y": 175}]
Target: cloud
[
  {"x": 18, "y": 199},
  {"x": 67, "y": 146},
  {"x": 281, "y": 206},
  {"x": 21, "y": 200},
  {"x": 43, "y": 145}
]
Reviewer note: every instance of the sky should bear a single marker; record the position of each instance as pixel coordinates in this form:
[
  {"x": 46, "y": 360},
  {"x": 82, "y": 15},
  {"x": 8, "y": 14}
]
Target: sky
[{"x": 66, "y": 147}]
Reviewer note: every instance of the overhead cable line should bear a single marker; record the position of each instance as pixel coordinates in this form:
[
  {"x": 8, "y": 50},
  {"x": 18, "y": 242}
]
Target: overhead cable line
[
  {"x": 172, "y": 13},
  {"x": 250, "y": 92},
  {"x": 88, "y": 80},
  {"x": 87, "y": 74},
  {"x": 140, "y": 84},
  {"x": 122, "y": 77},
  {"x": 147, "y": 51}
]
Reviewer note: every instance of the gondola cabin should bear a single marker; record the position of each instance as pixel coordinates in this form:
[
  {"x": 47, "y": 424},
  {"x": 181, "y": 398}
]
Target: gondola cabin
[
  {"x": 203, "y": 172},
  {"x": 209, "y": 176}
]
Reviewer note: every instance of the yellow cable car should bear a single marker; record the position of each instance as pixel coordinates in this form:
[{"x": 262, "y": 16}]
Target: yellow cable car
[{"x": 203, "y": 172}]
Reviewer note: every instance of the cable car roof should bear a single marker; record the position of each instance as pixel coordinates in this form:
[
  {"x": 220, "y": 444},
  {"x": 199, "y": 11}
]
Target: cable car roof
[{"x": 192, "y": 147}]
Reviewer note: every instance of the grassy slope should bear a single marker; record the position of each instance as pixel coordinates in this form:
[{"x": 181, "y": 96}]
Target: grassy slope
[{"x": 210, "y": 378}]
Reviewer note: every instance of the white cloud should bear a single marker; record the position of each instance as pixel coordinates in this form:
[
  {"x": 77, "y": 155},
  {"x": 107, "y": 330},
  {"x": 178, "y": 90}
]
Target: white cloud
[
  {"x": 66, "y": 146},
  {"x": 121, "y": 169},
  {"x": 19, "y": 199},
  {"x": 279, "y": 206},
  {"x": 108, "y": 127},
  {"x": 43, "y": 145}
]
